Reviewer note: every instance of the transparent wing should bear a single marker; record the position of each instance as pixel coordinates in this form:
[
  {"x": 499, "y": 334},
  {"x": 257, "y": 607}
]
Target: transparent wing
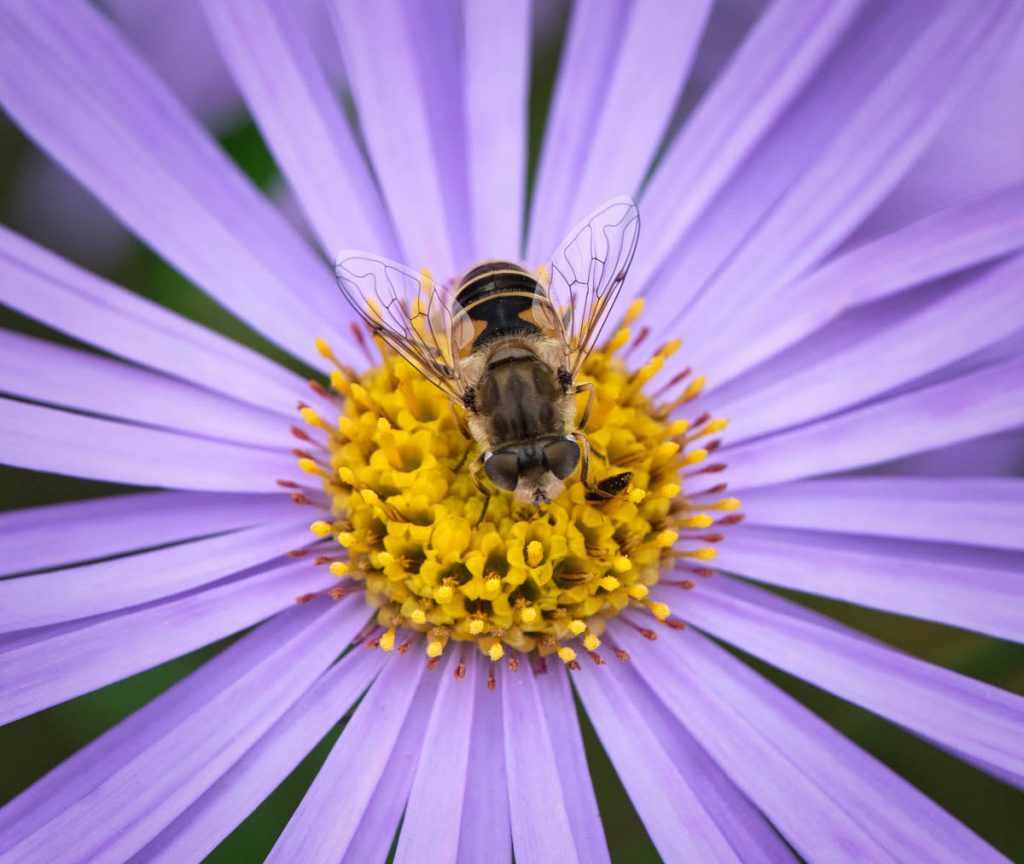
[
  {"x": 587, "y": 272},
  {"x": 412, "y": 313}
]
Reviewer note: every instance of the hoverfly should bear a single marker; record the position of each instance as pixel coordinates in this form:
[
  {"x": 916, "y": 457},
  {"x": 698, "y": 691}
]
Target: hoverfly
[{"x": 507, "y": 346}]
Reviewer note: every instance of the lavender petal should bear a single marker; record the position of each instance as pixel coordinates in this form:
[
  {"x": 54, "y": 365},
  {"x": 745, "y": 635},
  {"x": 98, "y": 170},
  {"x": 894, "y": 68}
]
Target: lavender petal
[
  {"x": 296, "y": 108},
  {"x": 41, "y": 371},
  {"x": 681, "y": 829},
  {"x": 825, "y": 795},
  {"x": 430, "y": 829},
  {"x": 80, "y": 592},
  {"x": 331, "y": 813},
  {"x": 49, "y": 671},
  {"x": 973, "y": 719},
  {"x": 126, "y": 810},
  {"x": 76, "y": 87},
  {"x": 42, "y": 286},
  {"x": 540, "y": 823},
  {"x": 496, "y": 152},
  {"x": 45, "y": 439},
  {"x": 980, "y": 403},
  {"x": 126, "y": 523},
  {"x": 980, "y": 511},
  {"x": 198, "y": 830}
]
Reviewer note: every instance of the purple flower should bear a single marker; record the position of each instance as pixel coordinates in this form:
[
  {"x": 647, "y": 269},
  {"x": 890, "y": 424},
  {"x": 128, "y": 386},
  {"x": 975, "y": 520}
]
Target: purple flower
[{"x": 838, "y": 328}]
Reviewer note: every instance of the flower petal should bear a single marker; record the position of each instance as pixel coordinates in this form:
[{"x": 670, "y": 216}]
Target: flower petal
[
  {"x": 959, "y": 237},
  {"x": 486, "y": 834},
  {"x": 584, "y": 72},
  {"x": 821, "y": 792},
  {"x": 987, "y": 600},
  {"x": 125, "y": 810},
  {"x": 222, "y": 807},
  {"x": 430, "y": 828},
  {"x": 978, "y": 721},
  {"x": 298, "y": 113},
  {"x": 404, "y": 111},
  {"x": 42, "y": 286},
  {"x": 983, "y": 511},
  {"x": 73, "y": 779},
  {"x": 44, "y": 439},
  {"x": 682, "y": 830},
  {"x": 76, "y": 87},
  {"x": 541, "y": 830},
  {"x": 783, "y": 50},
  {"x": 980, "y": 403},
  {"x": 46, "y": 372},
  {"x": 379, "y": 825},
  {"x": 52, "y": 670},
  {"x": 827, "y": 374},
  {"x": 320, "y": 829},
  {"x": 571, "y": 762},
  {"x": 657, "y": 44},
  {"x": 879, "y": 140},
  {"x": 743, "y": 825},
  {"x": 125, "y": 523},
  {"x": 496, "y": 151},
  {"x": 79, "y": 592}
]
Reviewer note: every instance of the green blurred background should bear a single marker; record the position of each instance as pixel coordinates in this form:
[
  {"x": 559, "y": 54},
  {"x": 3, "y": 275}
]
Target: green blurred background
[{"x": 33, "y": 746}]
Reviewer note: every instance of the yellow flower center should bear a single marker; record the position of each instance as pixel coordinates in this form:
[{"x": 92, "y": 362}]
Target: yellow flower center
[{"x": 546, "y": 579}]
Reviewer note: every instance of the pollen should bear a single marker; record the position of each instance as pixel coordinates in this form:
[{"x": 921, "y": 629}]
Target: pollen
[{"x": 411, "y": 529}]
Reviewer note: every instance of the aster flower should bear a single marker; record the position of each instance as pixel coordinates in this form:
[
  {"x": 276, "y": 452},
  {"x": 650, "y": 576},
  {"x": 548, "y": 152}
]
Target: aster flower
[{"x": 460, "y": 680}]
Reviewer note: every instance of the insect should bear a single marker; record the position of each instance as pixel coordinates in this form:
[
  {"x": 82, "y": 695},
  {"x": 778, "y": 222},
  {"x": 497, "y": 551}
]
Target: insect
[{"x": 507, "y": 346}]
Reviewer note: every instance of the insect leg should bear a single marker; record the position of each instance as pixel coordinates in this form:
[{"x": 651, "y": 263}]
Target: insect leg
[
  {"x": 460, "y": 421},
  {"x": 474, "y": 473},
  {"x": 581, "y": 439},
  {"x": 587, "y": 386}
]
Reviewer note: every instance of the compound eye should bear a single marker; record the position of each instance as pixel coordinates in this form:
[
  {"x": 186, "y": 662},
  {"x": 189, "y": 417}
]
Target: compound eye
[
  {"x": 562, "y": 457},
  {"x": 503, "y": 469}
]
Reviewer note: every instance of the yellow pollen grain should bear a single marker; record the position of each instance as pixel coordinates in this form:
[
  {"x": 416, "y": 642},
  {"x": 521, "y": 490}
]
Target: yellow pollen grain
[
  {"x": 695, "y": 456},
  {"x": 666, "y": 538},
  {"x": 659, "y": 610},
  {"x": 403, "y": 504}
]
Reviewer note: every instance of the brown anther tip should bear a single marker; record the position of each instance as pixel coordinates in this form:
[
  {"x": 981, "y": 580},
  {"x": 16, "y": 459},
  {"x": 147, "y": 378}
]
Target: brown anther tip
[
  {"x": 700, "y": 421},
  {"x": 706, "y": 572},
  {"x": 373, "y": 643},
  {"x": 712, "y": 446},
  {"x": 714, "y": 537},
  {"x": 675, "y": 624},
  {"x": 597, "y": 658},
  {"x": 305, "y": 598},
  {"x": 513, "y": 663},
  {"x": 337, "y": 593},
  {"x": 492, "y": 682},
  {"x": 432, "y": 663},
  {"x": 300, "y": 434},
  {"x": 540, "y": 666},
  {"x": 574, "y": 665},
  {"x": 731, "y": 519},
  {"x": 300, "y": 498},
  {"x": 297, "y": 553},
  {"x": 320, "y": 560},
  {"x": 715, "y": 490},
  {"x": 287, "y": 484},
  {"x": 460, "y": 670},
  {"x": 300, "y": 405},
  {"x": 622, "y": 656},
  {"x": 404, "y": 647},
  {"x": 318, "y": 388},
  {"x": 649, "y": 635},
  {"x": 716, "y": 468},
  {"x": 299, "y": 453}
]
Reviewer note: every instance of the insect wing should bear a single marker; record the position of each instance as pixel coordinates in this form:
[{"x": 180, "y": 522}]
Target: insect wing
[
  {"x": 411, "y": 312},
  {"x": 587, "y": 273}
]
